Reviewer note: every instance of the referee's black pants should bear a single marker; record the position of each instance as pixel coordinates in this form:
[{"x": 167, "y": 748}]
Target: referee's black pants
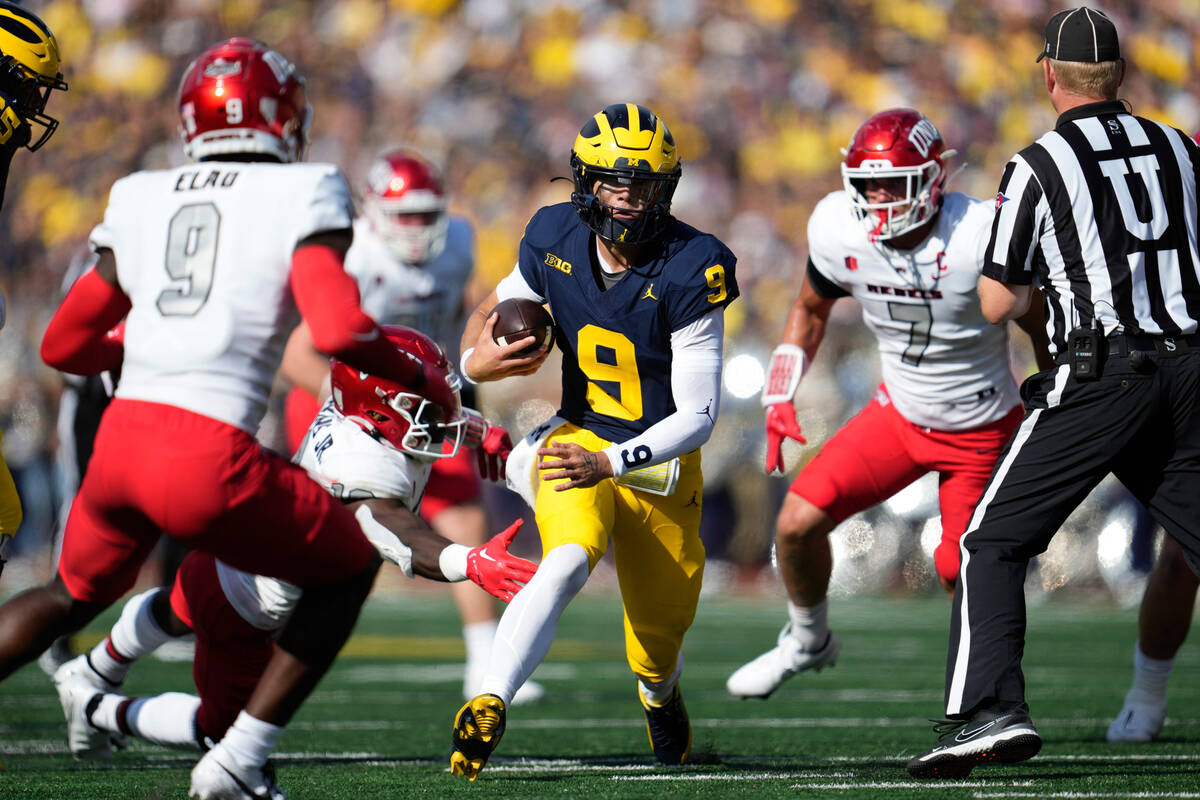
[{"x": 1141, "y": 424}]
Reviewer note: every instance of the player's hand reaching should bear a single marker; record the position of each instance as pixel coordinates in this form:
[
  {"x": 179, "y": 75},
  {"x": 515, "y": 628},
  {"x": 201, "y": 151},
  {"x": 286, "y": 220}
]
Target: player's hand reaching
[
  {"x": 497, "y": 571},
  {"x": 781, "y": 424},
  {"x": 491, "y": 442},
  {"x": 490, "y": 361}
]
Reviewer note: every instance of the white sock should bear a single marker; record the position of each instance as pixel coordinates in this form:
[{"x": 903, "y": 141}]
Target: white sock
[
  {"x": 478, "y": 638},
  {"x": 528, "y": 625},
  {"x": 134, "y": 635},
  {"x": 167, "y": 719},
  {"x": 251, "y": 741},
  {"x": 810, "y": 626},
  {"x": 658, "y": 693},
  {"x": 1150, "y": 675}
]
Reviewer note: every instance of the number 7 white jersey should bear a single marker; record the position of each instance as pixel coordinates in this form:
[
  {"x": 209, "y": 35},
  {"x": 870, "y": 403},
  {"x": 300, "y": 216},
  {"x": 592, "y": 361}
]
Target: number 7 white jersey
[
  {"x": 945, "y": 366},
  {"x": 204, "y": 252}
]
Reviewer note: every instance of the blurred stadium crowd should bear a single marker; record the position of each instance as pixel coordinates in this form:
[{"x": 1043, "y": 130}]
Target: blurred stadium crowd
[{"x": 760, "y": 95}]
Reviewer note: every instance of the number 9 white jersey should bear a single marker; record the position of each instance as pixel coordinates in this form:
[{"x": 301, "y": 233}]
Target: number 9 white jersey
[
  {"x": 204, "y": 253},
  {"x": 945, "y": 366}
]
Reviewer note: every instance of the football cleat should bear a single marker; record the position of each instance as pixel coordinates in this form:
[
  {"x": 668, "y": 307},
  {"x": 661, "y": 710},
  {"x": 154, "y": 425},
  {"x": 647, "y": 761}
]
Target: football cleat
[
  {"x": 1141, "y": 719},
  {"x": 79, "y": 688},
  {"x": 217, "y": 776},
  {"x": 478, "y": 727},
  {"x": 1003, "y": 737},
  {"x": 765, "y": 674},
  {"x": 669, "y": 729}
]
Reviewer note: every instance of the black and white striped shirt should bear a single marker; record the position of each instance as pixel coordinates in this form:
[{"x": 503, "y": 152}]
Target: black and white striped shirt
[{"x": 1102, "y": 213}]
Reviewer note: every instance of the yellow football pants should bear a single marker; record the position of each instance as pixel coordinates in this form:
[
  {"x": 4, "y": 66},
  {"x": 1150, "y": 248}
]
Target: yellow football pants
[
  {"x": 10, "y": 503},
  {"x": 656, "y": 547}
]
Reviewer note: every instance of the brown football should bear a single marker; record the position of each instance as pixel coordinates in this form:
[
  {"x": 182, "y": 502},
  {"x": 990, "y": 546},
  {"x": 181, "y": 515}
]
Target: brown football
[{"x": 520, "y": 318}]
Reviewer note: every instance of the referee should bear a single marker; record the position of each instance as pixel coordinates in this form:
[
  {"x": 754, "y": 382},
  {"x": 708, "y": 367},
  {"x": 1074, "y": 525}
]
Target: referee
[{"x": 1101, "y": 213}]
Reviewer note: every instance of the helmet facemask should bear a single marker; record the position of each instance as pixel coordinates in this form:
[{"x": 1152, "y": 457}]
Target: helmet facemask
[
  {"x": 652, "y": 193},
  {"x": 917, "y": 191},
  {"x": 413, "y": 237},
  {"x": 428, "y": 436},
  {"x": 29, "y": 94}
]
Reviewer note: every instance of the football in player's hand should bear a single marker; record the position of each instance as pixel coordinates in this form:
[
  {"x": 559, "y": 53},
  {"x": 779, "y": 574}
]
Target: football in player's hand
[{"x": 519, "y": 318}]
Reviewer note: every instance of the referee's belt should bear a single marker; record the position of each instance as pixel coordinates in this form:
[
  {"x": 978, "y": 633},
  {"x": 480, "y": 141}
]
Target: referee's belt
[
  {"x": 1119, "y": 345},
  {"x": 1122, "y": 344}
]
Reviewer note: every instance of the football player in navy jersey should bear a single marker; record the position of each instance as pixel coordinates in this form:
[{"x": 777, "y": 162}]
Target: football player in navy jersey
[{"x": 638, "y": 299}]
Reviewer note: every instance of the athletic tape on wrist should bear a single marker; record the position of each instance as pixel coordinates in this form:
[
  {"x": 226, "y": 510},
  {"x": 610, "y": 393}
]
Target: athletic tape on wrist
[{"x": 787, "y": 366}]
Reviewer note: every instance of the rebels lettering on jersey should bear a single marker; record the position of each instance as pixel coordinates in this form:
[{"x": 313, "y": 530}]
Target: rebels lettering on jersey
[
  {"x": 616, "y": 343},
  {"x": 204, "y": 253},
  {"x": 944, "y": 365},
  {"x": 1101, "y": 212},
  {"x": 428, "y": 296}
]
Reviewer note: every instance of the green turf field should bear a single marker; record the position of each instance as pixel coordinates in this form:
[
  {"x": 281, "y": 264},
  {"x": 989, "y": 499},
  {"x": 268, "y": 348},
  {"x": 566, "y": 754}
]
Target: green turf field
[{"x": 379, "y": 726}]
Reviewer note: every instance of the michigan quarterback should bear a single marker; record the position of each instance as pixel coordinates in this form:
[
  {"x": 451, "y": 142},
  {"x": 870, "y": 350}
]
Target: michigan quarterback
[
  {"x": 638, "y": 299},
  {"x": 28, "y": 73}
]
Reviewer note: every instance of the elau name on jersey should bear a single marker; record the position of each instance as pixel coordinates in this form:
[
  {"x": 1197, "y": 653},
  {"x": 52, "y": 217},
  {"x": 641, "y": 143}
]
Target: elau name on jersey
[{"x": 189, "y": 181}]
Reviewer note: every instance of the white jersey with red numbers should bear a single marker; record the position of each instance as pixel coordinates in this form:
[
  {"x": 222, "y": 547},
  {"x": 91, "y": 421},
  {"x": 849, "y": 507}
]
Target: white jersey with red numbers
[
  {"x": 428, "y": 296},
  {"x": 204, "y": 252},
  {"x": 945, "y": 366},
  {"x": 351, "y": 465}
]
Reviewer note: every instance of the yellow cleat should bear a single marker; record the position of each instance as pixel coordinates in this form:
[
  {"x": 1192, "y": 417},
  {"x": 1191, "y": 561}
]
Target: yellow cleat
[{"x": 478, "y": 727}]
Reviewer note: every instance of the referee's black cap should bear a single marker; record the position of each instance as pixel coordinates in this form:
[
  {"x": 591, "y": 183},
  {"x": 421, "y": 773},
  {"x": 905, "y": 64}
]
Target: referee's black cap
[{"x": 1081, "y": 34}]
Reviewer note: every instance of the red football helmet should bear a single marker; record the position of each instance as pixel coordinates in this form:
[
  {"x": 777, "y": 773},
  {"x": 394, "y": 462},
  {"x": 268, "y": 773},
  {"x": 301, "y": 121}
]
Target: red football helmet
[
  {"x": 903, "y": 146},
  {"x": 240, "y": 96},
  {"x": 406, "y": 205},
  {"x": 398, "y": 415}
]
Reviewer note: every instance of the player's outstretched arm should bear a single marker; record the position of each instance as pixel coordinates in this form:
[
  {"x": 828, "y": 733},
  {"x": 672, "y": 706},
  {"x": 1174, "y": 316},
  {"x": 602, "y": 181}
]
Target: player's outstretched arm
[
  {"x": 404, "y": 539},
  {"x": 485, "y": 360},
  {"x": 83, "y": 337}
]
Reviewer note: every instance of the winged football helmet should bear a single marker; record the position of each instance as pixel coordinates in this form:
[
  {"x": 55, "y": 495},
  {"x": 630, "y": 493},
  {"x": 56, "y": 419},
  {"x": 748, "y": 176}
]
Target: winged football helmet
[
  {"x": 397, "y": 415},
  {"x": 241, "y": 97},
  {"x": 627, "y": 145},
  {"x": 406, "y": 204},
  {"x": 901, "y": 146},
  {"x": 29, "y": 63}
]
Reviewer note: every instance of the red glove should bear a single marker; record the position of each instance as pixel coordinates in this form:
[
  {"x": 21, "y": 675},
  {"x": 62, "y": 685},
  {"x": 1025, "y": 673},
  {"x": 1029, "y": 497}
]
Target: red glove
[
  {"x": 492, "y": 445},
  {"x": 781, "y": 424},
  {"x": 498, "y": 572}
]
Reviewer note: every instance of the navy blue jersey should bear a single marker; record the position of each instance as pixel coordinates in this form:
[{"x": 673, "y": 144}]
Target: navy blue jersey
[{"x": 616, "y": 343}]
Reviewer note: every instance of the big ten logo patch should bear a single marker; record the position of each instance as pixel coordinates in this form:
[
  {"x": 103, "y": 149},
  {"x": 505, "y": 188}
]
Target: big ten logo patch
[{"x": 556, "y": 262}]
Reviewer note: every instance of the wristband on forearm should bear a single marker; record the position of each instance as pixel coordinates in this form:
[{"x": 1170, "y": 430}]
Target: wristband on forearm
[
  {"x": 787, "y": 366},
  {"x": 453, "y": 562},
  {"x": 462, "y": 366}
]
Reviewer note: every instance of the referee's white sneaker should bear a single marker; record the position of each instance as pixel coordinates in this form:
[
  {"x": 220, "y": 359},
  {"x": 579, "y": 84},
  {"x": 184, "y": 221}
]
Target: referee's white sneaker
[
  {"x": 1003, "y": 737},
  {"x": 1141, "y": 719},
  {"x": 765, "y": 674}
]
